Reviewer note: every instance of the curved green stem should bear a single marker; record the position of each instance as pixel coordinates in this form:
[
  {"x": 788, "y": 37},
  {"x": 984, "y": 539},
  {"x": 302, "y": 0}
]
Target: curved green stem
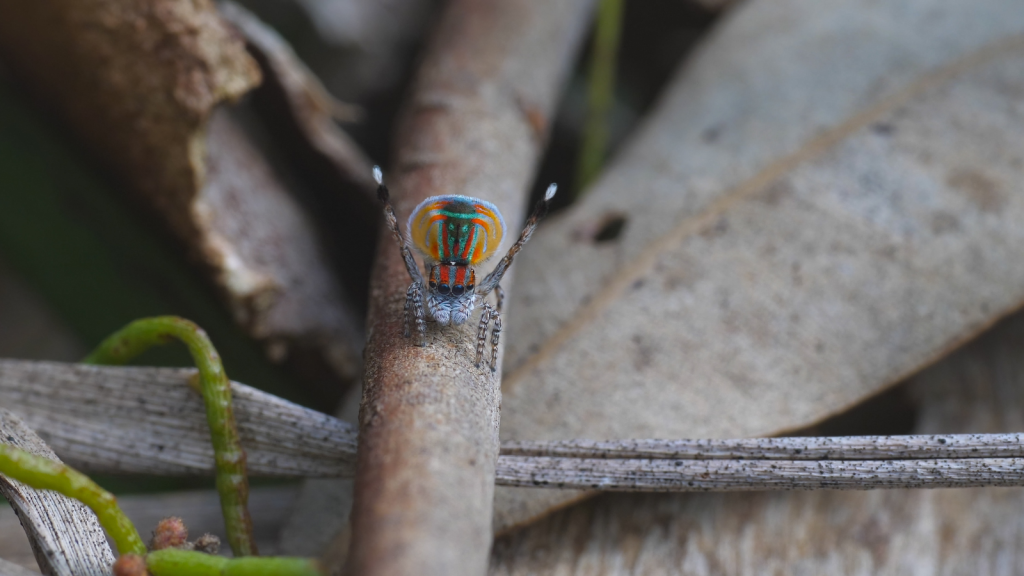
[
  {"x": 173, "y": 562},
  {"x": 232, "y": 482},
  {"x": 45, "y": 474}
]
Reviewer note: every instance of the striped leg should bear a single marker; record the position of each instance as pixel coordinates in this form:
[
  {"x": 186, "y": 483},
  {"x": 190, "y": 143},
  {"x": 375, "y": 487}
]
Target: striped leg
[
  {"x": 492, "y": 279},
  {"x": 414, "y": 313},
  {"x": 481, "y": 333},
  {"x": 495, "y": 334},
  {"x": 389, "y": 217},
  {"x": 490, "y": 313}
]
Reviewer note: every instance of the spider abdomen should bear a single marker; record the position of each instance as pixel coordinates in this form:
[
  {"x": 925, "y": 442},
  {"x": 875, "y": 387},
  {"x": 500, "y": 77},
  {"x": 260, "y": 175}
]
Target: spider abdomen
[{"x": 456, "y": 229}]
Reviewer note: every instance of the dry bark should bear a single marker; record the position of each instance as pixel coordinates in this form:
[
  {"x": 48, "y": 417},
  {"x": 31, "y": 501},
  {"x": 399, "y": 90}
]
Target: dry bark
[
  {"x": 964, "y": 531},
  {"x": 66, "y": 537},
  {"x": 150, "y": 421},
  {"x": 429, "y": 417},
  {"x": 139, "y": 81},
  {"x": 821, "y": 205}
]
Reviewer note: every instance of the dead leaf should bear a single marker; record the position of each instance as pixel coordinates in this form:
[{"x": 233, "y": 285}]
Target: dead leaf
[
  {"x": 139, "y": 81},
  {"x": 821, "y": 205},
  {"x": 954, "y": 531}
]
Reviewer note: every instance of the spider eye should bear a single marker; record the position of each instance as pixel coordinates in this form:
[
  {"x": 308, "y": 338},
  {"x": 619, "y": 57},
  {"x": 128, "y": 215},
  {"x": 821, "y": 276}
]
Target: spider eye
[
  {"x": 433, "y": 284},
  {"x": 470, "y": 287},
  {"x": 444, "y": 289},
  {"x": 458, "y": 289}
]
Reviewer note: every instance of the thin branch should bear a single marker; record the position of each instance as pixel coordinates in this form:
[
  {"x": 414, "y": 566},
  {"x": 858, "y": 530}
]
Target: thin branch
[
  {"x": 428, "y": 440},
  {"x": 798, "y": 448},
  {"x": 167, "y": 435},
  {"x": 747, "y": 475}
]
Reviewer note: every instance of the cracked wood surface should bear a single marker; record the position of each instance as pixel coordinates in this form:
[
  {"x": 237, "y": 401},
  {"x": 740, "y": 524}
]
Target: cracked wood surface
[
  {"x": 429, "y": 418},
  {"x": 65, "y": 535}
]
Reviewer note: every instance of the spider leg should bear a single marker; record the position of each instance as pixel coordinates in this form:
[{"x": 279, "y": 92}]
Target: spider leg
[
  {"x": 495, "y": 334},
  {"x": 414, "y": 313},
  {"x": 481, "y": 334},
  {"x": 499, "y": 294},
  {"x": 492, "y": 279},
  {"x": 389, "y": 218}
]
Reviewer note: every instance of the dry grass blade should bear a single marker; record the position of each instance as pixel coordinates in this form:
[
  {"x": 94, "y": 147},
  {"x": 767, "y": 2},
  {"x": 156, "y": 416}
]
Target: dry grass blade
[
  {"x": 429, "y": 417},
  {"x": 800, "y": 232},
  {"x": 813, "y": 448},
  {"x": 65, "y": 535},
  {"x": 753, "y": 475},
  {"x": 149, "y": 421}
]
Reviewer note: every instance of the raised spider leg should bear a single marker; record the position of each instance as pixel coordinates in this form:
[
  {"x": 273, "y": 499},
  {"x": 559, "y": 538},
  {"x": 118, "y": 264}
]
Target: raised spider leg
[
  {"x": 491, "y": 281},
  {"x": 414, "y": 313},
  {"x": 414, "y": 296}
]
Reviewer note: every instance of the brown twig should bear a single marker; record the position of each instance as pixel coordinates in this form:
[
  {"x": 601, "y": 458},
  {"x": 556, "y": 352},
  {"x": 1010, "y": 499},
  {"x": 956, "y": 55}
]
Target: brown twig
[{"x": 429, "y": 418}]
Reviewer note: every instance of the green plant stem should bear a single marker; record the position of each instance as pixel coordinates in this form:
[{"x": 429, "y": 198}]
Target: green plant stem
[
  {"x": 600, "y": 92},
  {"x": 173, "y": 562},
  {"x": 45, "y": 474},
  {"x": 232, "y": 482}
]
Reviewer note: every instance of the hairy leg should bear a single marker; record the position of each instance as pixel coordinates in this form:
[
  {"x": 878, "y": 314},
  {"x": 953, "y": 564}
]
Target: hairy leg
[
  {"x": 495, "y": 334},
  {"x": 414, "y": 313},
  {"x": 392, "y": 222},
  {"x": 491, "y": 280},
  {"x": 481, "y": 334}
]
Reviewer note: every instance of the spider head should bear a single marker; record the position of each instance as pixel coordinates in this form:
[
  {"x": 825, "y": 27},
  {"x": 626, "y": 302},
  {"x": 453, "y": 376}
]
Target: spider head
[{"x": 450, "y": 296}]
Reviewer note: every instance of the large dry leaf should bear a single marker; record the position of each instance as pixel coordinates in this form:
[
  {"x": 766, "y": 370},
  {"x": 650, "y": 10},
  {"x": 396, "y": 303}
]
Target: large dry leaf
[
  {"x": 970, "y": 531},
  {"x": 822, "y": 204}
]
